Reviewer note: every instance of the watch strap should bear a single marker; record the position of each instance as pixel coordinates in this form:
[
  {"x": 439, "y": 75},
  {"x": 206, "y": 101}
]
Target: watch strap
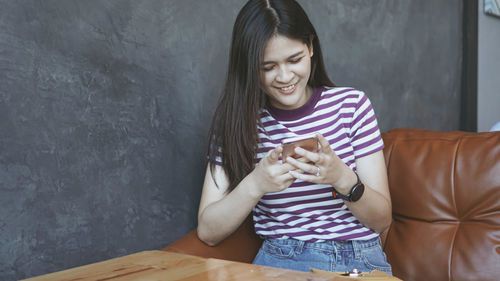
[{"x": 348, "y": 197}]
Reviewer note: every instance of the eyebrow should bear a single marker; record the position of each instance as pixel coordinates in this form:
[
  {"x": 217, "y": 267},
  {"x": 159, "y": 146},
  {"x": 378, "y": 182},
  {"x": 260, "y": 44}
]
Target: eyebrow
[{"x": 292, "y": 56}]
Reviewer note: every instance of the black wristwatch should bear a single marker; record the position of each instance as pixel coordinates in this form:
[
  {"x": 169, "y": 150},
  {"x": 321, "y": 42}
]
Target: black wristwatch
[{"x": 354, "y": 195}]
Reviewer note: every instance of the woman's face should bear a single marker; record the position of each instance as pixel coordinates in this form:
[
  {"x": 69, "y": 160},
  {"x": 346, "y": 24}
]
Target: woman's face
[{"x": 285, "y": 71}]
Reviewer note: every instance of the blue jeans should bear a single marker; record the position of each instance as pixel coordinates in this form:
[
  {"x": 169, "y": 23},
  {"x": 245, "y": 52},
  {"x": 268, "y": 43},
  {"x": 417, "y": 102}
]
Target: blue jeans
[{"x": 340, "y": 256}]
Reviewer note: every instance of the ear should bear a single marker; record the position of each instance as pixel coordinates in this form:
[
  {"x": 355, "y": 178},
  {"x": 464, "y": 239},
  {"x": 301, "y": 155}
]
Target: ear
[{"x": 311, "y": 49}]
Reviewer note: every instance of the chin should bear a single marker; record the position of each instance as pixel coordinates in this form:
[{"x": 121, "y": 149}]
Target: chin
[{"x": 288, "y": 105}]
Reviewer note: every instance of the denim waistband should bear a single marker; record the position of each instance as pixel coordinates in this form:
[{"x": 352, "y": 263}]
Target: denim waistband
[{"x": 332, "y": 245}]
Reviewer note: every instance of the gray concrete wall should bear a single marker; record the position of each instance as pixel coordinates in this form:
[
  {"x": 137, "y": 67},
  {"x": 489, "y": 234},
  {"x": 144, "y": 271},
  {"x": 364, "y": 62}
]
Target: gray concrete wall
[
  {"x": 105, "y": 106},
  {"x": 488, "y": 70}
]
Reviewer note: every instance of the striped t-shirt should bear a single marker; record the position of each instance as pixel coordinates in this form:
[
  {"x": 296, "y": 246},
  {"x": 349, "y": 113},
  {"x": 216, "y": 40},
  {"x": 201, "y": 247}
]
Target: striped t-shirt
[{"x": 307, "y": 211}]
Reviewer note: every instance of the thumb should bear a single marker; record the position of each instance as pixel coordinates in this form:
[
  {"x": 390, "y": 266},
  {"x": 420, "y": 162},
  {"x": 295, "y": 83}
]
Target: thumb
[
  {"x": 273, "y": 155},
  {"x": 325, "y": 145}
]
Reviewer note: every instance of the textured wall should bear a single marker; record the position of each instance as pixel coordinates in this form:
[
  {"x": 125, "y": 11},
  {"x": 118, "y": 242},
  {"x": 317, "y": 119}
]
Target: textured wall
[
  {"x": 104, "y": 108},
  {"x": 406, "y": 55}
]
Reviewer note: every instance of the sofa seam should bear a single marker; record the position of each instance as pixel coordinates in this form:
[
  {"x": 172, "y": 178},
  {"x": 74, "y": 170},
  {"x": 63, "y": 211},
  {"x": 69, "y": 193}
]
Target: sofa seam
[
  {"x": 453, "y": 195},
  {"x": 453, "y": 175},
  {"x": 452, "y": 251}
]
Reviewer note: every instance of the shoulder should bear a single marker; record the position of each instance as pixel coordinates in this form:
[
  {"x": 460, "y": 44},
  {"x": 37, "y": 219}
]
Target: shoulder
[
  {"x": 342, "y": 93},
  {"x": 346, "y": 97}
]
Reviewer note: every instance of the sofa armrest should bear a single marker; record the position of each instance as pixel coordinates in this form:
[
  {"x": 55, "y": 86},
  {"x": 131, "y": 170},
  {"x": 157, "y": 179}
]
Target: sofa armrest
[{"x": 241, "y": 246}]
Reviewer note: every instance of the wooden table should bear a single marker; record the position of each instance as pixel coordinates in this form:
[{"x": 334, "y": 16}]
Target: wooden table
[{"x": 161, "y": 265}]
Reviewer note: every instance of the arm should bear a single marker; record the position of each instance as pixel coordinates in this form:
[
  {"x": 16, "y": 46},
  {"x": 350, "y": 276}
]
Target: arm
[
  {"x": 374, "y": 208},
  {"x": 222, "y": 211},
  {"x": 220, "y": 214}
]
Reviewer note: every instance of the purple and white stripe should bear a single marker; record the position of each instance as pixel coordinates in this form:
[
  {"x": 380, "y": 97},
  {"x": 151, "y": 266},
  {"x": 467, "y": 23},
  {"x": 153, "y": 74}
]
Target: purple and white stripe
[{"x": 307, "y": 211}]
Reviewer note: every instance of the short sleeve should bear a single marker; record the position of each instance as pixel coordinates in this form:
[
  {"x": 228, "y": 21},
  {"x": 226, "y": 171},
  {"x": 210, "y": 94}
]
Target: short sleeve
[{"x": 365, "y": 134}]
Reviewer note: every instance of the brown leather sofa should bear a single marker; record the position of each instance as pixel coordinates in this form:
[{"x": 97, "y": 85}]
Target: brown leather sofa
[{"x": 445, "y": 190}]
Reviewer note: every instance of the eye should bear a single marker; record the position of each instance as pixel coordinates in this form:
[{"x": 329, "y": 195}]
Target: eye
[
  {"x": 296, "y": 60},
  {"x": 269, "y": 68}
]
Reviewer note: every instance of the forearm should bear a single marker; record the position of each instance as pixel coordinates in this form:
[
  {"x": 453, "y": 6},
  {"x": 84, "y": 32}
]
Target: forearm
[
  {"x": 221, "y": 218},
  {"x": 373, "y": 210},
  {"x": 221, "y": 213}
]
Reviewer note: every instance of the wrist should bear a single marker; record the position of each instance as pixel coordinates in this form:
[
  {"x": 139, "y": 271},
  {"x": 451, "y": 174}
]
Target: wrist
[
  {"x": 345, "y": 183},
  {"x": 354, "y": 193},
  {"x": 252, "y": 186}
]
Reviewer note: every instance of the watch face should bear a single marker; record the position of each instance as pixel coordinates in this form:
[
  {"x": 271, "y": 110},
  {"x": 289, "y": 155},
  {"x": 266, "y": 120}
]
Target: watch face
[{"x": 357, "y": 192}]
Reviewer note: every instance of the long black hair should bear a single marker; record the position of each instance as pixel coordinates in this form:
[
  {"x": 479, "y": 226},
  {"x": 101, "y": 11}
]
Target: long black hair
[{"x": 233, "y": 133}]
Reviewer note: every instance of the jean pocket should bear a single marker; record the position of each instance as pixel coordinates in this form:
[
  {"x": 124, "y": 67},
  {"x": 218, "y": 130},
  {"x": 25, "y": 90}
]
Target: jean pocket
[
  {"x": 277, "y": 250},
  {"x": 374, "y": 258}
]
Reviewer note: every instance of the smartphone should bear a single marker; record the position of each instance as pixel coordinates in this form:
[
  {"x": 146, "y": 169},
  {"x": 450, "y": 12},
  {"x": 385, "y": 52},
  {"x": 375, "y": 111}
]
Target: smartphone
[{"x": 307, "y": 142}]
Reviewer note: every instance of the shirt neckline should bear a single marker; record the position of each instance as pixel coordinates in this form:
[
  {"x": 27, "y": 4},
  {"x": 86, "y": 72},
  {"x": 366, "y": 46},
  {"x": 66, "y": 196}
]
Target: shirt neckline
[{"x": 297, "y": 113}]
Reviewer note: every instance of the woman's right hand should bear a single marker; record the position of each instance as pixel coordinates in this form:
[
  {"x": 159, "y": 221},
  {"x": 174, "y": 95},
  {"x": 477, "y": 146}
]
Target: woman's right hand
[
  {"x": 270, "y": 175},
  {"x": 221, "y": 212}
]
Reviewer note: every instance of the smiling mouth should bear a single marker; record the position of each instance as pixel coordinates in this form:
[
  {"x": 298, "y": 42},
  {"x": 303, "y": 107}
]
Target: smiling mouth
[{"x": 288, "y": 89}]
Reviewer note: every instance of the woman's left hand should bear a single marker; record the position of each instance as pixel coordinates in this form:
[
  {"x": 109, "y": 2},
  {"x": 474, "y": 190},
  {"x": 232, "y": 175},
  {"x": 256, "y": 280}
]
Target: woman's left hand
[{"x": 323, "y": 167}]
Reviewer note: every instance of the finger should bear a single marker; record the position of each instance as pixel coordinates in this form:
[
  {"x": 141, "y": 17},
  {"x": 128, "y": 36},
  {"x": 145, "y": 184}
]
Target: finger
[
  {"x": 284, "y": 168},
  {"x": 302, "y": 159},
  {"x": 273, "y": 155},
  {"x": 286, "y": 176},
  {"x": 311, "y": 156},
  {"x": 304, "y": 177},
  {"x": 302, "y": 165},
  {"x": 323, "y": 142}
]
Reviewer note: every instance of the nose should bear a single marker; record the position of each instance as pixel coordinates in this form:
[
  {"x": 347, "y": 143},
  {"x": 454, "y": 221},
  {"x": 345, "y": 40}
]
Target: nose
[{"x": 284, "y": 74}]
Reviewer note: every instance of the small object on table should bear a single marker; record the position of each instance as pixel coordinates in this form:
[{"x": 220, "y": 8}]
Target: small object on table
[{"x": 355, "y": 273}]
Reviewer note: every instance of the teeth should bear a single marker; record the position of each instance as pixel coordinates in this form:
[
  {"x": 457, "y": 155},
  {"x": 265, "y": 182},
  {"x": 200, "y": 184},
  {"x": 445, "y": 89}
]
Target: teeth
[{"x": 288, "y": 88}]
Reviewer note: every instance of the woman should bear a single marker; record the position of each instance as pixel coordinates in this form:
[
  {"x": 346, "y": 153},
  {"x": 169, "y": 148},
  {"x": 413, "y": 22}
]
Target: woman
[{"x": 322, "y": 210}]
